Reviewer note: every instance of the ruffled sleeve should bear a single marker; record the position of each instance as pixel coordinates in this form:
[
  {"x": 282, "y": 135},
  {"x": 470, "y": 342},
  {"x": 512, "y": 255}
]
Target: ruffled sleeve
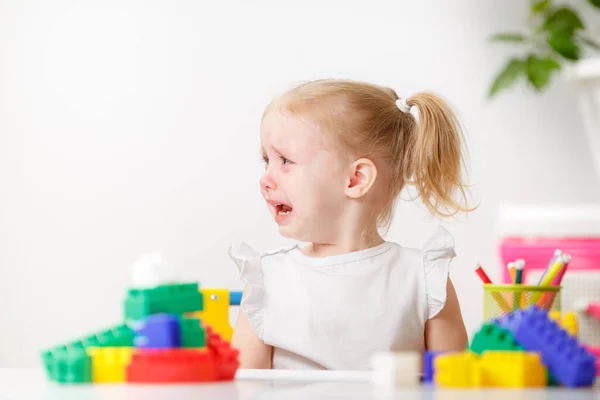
[
  {"x": 438, "y": 252},
  {"x": 248, "y": 262}
]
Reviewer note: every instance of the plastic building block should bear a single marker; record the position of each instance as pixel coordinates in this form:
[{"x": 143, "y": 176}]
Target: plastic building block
[
  {"x": 169, "y": 299},
  {"x": 216, "y": 311},
  {"x": 512, "y": 369},
  {"x": 493, "y": 337},
  {"x": 570, "y": 324},
  {"x": 595, "y": 351},
  {"x": 109, "y": 363},
  {"x": 150, "y": 270},
  {"x": 235, "y": 298},
  {"x": 68, "y": 366},
  {"x": 393, "y": 370},
  {"x": 571, "y": 364},
  {"x": 226, "y": 357},
  {"x": 457, "y": 370},
  {"x": 192, "y": 333},
  {"x": 568, "y": 321},
  {"x": 428, "y": 363},
  {"x": 66, "y": 355},
  {"x": 172, "y": 366},
  {"x": 157, "y": 331},
  {"x": 118, "y": 336}
]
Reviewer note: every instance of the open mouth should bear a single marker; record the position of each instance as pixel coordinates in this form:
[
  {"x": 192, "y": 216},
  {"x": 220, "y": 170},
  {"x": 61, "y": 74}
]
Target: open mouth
[{"x": 282, "y": 209}]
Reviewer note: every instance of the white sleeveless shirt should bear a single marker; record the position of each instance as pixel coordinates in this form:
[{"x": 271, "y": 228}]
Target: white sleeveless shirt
[{"x": 335, "y": 312}]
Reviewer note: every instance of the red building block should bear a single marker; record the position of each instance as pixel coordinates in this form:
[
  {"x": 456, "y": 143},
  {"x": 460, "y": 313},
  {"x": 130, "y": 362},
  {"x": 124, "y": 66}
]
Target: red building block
[
  {"x": 226, "y": 357},
  {"x": 172, "y": 366}
]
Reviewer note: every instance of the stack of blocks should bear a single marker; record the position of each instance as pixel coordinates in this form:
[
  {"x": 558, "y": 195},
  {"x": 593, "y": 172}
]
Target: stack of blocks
[
  {"x": 158, "y": 343},
  {"x": 526, "y": 348}
]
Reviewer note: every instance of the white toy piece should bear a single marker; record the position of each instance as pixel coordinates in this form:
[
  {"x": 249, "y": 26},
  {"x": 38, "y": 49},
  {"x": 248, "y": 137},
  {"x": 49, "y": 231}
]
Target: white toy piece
[
  {"x": 392, "y": 370},
  {"x": 150, "y": 271}
]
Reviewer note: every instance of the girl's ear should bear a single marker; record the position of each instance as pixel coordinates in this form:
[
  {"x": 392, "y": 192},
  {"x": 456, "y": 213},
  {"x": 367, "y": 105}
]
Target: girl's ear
[{"x": 361, "y": 177}]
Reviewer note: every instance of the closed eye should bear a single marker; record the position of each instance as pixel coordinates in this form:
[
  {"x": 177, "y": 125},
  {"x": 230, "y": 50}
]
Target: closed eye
[{"x": 284, "y": 161}]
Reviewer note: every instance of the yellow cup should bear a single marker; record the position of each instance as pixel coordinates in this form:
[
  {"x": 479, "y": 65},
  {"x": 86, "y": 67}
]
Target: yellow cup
[{"x": 502, "y": 299}]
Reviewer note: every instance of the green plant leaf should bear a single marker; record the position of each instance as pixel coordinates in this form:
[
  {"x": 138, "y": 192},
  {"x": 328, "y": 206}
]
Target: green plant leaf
[
  {"x": 508, "y": 37},
  {"x": 591, "y": 43},
  {"x": 563, "y": 44},
  {"x": 508, "y": 76},
  {"x": 563, "y": 19},
  {"x": 539, "y": 71},
  {"x": 539, "y": 6},
  {"x": 595, "y": 3}
]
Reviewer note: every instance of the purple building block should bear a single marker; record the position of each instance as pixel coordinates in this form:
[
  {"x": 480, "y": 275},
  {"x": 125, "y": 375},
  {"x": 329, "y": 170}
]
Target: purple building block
[
  {"x": 428, "y": 363},
  {"x": 157, "y": 331},
  {"x": 571, "y": 364}
]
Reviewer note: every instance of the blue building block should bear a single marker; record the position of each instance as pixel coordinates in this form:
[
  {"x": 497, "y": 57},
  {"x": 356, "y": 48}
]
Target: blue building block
[
  {"x": 235, "y": 298},
  {"x": 428, "y": 363},
  {"x": 569, "y": 363},
  {"x": 157, "y": 331}
]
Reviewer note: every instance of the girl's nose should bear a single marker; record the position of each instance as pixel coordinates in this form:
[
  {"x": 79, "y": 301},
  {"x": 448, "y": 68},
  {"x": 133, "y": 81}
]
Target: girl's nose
[{"x": 267, "y": 182}]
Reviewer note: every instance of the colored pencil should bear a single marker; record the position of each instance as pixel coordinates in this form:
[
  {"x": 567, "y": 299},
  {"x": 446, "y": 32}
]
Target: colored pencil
[
  {"x": 486, "y": 280},
  {"x": 518, "y": 295},
  {"x": 512, "y": 271},
  {"x": 556, "y": 254},
  {"x": 519, "y": 266},
  {"x": 548, "y": 298},
  {"x": 549, "y": 277}
]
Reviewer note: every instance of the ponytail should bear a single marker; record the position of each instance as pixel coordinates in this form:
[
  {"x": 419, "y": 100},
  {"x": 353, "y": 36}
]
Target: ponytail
[{"x": 433, "y": 157}]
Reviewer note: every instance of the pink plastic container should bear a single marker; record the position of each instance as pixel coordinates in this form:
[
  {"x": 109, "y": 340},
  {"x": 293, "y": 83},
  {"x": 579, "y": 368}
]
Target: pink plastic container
[
  {"x": 537, "y": 253},
  {"x": 534, "y": 232}
]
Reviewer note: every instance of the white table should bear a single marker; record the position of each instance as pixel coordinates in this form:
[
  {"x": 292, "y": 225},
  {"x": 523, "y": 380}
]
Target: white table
[{"x": 32, "y": 384}]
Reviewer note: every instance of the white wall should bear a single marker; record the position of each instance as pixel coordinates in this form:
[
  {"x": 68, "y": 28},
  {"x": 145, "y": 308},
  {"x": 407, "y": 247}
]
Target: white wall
[{"x": 130, "y": 126}]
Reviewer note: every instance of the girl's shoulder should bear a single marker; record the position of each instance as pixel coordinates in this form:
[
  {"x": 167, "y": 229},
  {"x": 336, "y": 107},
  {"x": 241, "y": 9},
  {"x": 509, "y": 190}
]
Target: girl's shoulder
[{"x": 438, "y": 252}]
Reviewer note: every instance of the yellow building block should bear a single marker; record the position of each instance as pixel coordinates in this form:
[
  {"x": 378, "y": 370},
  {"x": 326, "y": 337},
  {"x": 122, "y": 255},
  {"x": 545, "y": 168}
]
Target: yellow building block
[
  {"x": 109, "y": 363},
  {"x": 568, "y": 321},
  {"x": 457, "y": 370},
  {"x": 216, "y": 311},
  {"x": 512, "y": 369}
]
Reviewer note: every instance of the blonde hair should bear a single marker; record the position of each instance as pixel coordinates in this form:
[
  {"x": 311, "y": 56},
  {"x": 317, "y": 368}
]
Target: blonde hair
[{"x": 364, "y": 120}]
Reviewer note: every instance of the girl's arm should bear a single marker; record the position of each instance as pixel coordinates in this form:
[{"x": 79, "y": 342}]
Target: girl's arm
[
  {"x": 446, "y": 331},
  {"x": 254, "y": 353}
]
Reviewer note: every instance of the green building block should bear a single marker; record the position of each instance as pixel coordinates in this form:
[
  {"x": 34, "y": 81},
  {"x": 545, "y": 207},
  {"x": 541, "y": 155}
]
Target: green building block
[
  {"x": 68, "y": 363},
  {"x": 68, "y": 366},
  {"x": 192, "y": 333},
  {"x": 170, "y": 299},
  {"x": 492, "y": 337},
  {"x": 118, "y": 336}
]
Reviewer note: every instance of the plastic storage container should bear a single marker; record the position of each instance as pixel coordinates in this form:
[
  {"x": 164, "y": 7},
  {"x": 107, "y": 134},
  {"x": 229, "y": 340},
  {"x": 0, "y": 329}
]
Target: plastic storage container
[{"x": 534, "y": 232}]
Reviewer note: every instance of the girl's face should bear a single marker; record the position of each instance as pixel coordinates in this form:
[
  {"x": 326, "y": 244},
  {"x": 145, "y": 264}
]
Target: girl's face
[{"x": 303, "y": 183}]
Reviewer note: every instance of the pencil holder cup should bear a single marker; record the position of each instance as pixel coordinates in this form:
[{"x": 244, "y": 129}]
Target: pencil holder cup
[{"x": 503, "y": 299}]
